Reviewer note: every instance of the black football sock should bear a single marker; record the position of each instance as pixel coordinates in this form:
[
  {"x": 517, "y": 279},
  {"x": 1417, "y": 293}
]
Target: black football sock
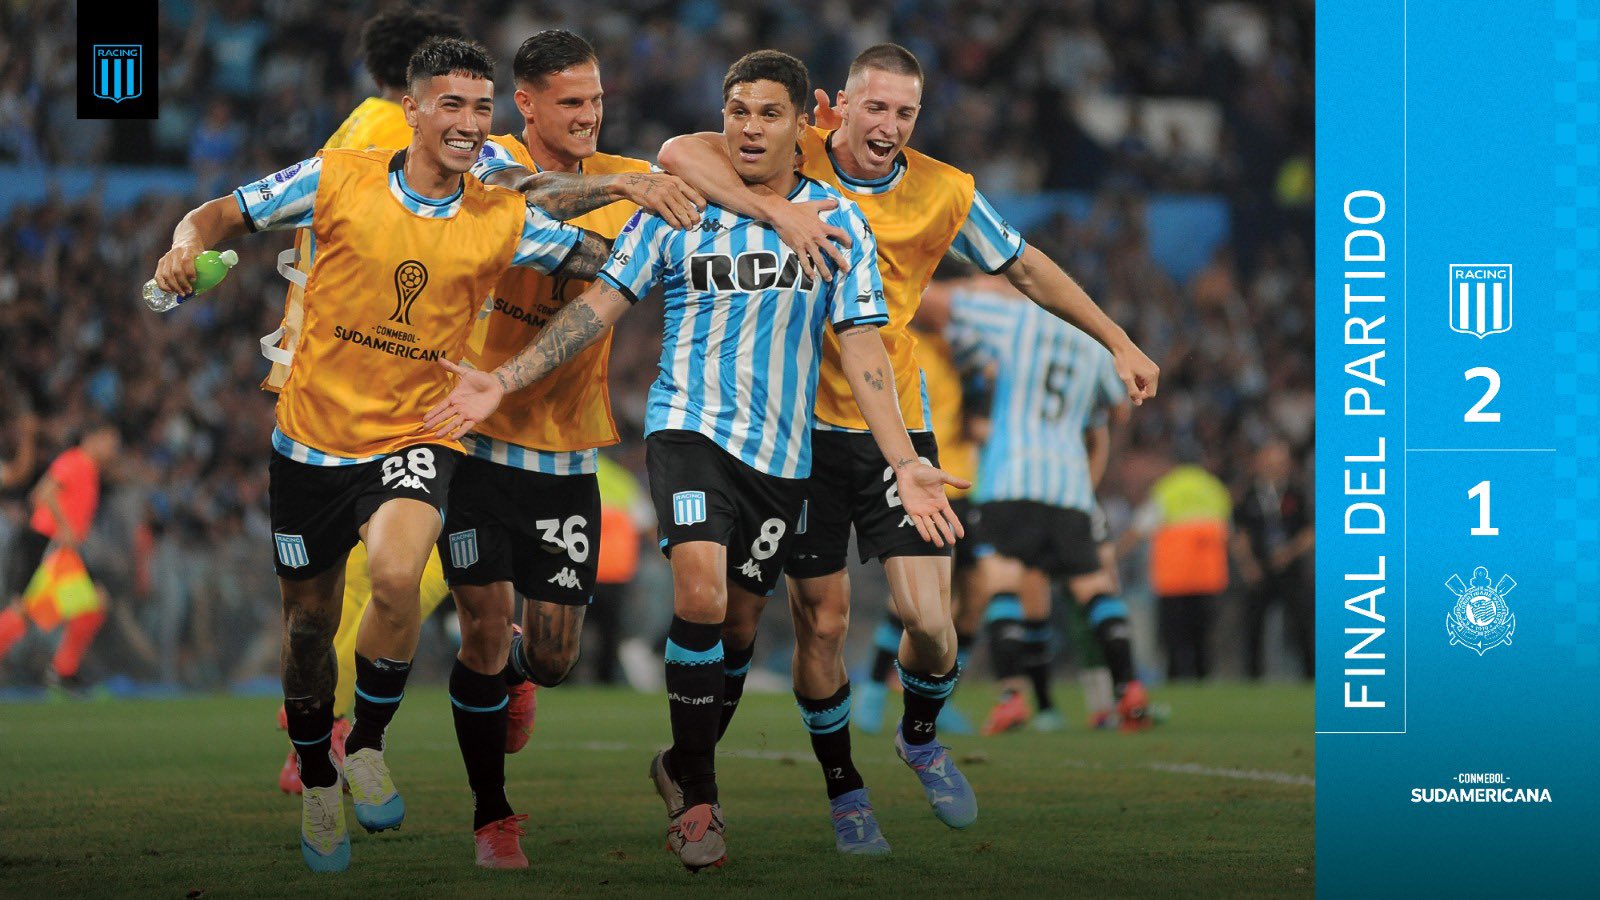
[
  {"x": 924, "y": 697},
  {"x": 478, "y": 703},
  {"x": 516, "y": 671},
  {"x": 1036, "y": 657},
  {"x": 694, "y": 701},
  {"x": 735, "y": 666},
  {"x": 380, "y": 686},
  {"x": 1108, "y": 619},
  {"x": 311, "y": 732},
  {"x": 828, "y": 720},
  {"x": 886, "y": 647}
]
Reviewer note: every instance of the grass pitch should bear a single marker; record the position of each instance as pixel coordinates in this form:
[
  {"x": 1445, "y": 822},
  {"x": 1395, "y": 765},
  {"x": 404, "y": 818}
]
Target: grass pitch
[{"x": 176, "y": 798}]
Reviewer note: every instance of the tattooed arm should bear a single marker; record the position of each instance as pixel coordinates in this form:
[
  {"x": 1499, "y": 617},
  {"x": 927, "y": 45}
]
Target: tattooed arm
[
  {"x": 587, "y": 257},
  {"x": 866, "y": 365},
  {"x": 568, "y": 333},
  {"x": 567, "y": 195}
]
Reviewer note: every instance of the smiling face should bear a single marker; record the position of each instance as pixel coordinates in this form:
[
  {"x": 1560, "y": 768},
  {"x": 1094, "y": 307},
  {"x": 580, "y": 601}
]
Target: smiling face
[
  {"x": 451, "y": 116},
  {"x": 761, "y": 123},
  {"x": 563, "y": 112},
  {"x": 879, "y": 111}
]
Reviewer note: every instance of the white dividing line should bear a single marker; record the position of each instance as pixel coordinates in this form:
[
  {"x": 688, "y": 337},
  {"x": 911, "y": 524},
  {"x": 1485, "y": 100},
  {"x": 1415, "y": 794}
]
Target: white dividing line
[{"x": 798, "y": 756}]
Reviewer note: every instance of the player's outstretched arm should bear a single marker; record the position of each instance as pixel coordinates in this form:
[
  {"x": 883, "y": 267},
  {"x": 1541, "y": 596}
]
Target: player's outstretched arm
[
  {"x": 702, "y": 160},
  {"x": 569, "y": 332},
  {"x": 866, "y": 365},
  {"x": 567, "y": 195},
  {"x": 203, "y": 228},
  {"x": 1043, "y": 281}
]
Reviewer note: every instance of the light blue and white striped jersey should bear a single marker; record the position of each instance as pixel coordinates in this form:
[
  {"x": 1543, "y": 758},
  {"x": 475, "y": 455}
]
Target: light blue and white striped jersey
[
  {"x": 287, "y": 199},
  {"x": 1052, "y": 381},
  {"x": 742, "y": 343}
]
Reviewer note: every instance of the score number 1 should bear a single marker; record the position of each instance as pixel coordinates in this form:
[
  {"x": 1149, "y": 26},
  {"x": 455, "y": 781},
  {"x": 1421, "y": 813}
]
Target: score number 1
[{"x": 1480, "y": 491}]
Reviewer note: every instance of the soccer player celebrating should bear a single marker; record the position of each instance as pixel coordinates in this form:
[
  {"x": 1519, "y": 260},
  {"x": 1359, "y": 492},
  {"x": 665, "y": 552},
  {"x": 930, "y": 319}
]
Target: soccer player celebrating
[
  {"x": 408, "y": 244},
  {"x": 524, "y": 509},
  {"x": 729, "y": 421},
  {"x": 920, "y": 209},
  {"x": 1053, "y": 389},
  {"x": 387, "y": 42}
]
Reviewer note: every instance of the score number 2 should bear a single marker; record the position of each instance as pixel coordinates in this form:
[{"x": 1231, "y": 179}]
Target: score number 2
[{"x": 1480, "y": 491}]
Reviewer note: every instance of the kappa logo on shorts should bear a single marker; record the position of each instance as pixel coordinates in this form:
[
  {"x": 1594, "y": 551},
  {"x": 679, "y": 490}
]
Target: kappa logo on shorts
[
  {"x": 565, "y": 578},
  {"x": 464, "y": 548},
  {"x": 292, "y": 550},
  {"x": 750, "y": 570},
  {"x": 688, "y": 507}
]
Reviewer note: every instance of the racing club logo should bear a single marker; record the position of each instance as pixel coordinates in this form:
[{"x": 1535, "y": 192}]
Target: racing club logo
[
  {"x": 410, "y": 277},
  {"x": 118, "y": 71},
  {"x": 1480, "y": 619}
]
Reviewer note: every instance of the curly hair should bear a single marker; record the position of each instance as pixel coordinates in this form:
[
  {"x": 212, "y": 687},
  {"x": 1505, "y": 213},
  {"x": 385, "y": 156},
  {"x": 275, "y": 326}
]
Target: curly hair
[{"x": 389, "y": 38}]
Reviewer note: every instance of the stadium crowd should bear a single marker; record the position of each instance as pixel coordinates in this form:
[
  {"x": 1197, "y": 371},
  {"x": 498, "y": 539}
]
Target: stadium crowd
[{"x": 248, "y": 86}]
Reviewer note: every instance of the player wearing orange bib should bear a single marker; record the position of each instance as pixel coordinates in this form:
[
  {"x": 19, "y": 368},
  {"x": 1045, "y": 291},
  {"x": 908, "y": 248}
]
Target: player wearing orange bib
[
  {"x": 920, "y": 209},
  {"x": 387, "y": 42},
  {"x": 408, "y": 244},
  {"x": 524, "y": 515}
]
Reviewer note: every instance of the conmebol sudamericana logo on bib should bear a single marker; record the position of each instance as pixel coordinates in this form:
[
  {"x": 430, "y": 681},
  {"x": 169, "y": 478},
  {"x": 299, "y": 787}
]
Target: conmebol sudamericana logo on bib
[
  {"x": 118, "y": 71},
  {"x": 1480, "y": 298},
  {"x": 1480, "y": 619}
]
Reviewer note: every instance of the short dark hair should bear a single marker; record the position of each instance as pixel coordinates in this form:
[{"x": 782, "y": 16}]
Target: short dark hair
[
  {"x": 891, "y": 58},
  {"x": 449, "y": 56},
  {"x": 771, "y": 65},
  {"x": 390, "y": 37},
  {"x": 548, "y": 52}
]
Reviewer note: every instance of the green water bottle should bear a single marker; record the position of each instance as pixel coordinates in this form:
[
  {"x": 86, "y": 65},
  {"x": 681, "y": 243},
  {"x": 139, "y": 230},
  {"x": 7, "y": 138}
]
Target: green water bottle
[{"x": 210, "y": 268}]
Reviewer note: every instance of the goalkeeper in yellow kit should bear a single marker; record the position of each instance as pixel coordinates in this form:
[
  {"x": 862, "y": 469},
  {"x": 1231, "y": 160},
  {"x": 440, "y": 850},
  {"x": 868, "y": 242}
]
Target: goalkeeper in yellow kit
[{"x": 387, "y": 42}]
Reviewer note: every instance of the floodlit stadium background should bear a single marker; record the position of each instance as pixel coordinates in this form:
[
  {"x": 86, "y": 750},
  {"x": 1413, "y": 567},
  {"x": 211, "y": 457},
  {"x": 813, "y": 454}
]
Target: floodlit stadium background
[{"x": 1161, "y": 152}]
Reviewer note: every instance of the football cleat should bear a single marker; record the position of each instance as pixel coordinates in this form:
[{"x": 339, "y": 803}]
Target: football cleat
[
  {"x": 1010, "y": 713},
  {"x": 855, "y": 828},
  {"x": 947, "y": 789},
  {"x": 695, "y": 835},
  {"x": 866, "y": 711},
  {"x": 522, "y": 701},
  {"x": 498, "y": 844},
  {"x": 1048, "y": 720},
  {"x": 379, "y": 806},
  {"x": 289, "y": 775},
  {"x": 951, "y": 720},
  {"x": 671, "y": 794},
  {"x": 1134, "y": 708},
  {"x": 324, "y": 840}
]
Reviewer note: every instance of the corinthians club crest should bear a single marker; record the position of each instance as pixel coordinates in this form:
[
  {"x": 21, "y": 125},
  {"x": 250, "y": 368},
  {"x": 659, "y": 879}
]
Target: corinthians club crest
[{"x": 1480, "y": 620}]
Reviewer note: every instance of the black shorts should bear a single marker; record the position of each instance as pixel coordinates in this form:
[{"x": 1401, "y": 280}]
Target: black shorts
[
  {"x": 1062, "y": 542},
  {"x": 703, "y": 493},
  {"x": 317, "y": 511},
  {"x": 27, "y": 552},
  {"x": 540, "y": 532},
  {"x": 851, "y": 485}
]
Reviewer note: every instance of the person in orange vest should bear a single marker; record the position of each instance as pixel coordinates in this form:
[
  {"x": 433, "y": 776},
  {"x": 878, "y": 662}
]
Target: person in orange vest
[
  {"x": 55, "y": 590},
  {"x": 1187, "y": 520},
  {"x": 620, "y": 532}
]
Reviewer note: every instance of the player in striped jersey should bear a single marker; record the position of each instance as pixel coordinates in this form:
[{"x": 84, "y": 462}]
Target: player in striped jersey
[
  {"x": 1053, "y": 389},
  {"x": 524, "y": 513},
  {"x": 387, "y": 42},
  {"x": 408, "y": 244},
  {"x": 729, "y": 416},
  {"x": 921, "y": 209}
]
